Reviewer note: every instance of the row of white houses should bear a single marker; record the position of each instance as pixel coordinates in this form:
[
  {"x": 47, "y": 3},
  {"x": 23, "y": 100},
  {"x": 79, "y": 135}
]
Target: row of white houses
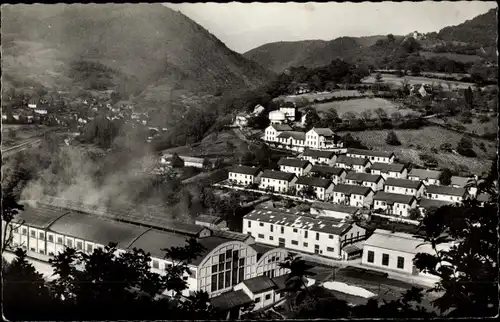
[{"x": 283, "y": 136}]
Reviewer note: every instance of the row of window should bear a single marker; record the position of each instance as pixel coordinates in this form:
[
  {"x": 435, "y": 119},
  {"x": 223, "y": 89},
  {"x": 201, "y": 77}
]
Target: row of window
[
  {"x": 388, "y": 188},
  {"x": 434, "y": 196},
  {"x": 371, "y": 158},
  {"x": 234, "y": 174},
  {"x": 385, "y": 260}
]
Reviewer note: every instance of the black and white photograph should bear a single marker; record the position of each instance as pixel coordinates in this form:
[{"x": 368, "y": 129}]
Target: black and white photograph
[{"x": 249, "y": 161}]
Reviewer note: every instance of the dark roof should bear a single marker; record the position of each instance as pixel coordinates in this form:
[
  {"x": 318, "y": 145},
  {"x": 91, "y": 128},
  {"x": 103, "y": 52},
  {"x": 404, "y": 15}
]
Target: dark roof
[
  {"x": 370, "y": 153},
  {"x": 293, "y": 162},
  {"x": 230, "y": 300},
  {"x": 424, "y": 174},
  {"x": 349, "y": 189},
  {"x": 233, "y": 235},
  {"x": 318, "y": 153},
  {"x": 153, "y": 241},
  {"x": 300, "y": 220},
  {"x": 259, "y": 284},
  {"x": 281, "y": 127},
  {"x": 245, "y": 170},
  {"x": 359, "y": 176},
  {"x": 39, "y": 215},
  {"x": 297, "y": 135},
  {"x": 386, "y": 167},
  {"x": 405, "y": 183},
  {"x": 335, "y": 207},
  {"x": 324, "y": 131},
  {"x": 278, "y": 175},
  {"x": 351, "y": 161},
  {"x": 324, "y": 169},
  {"x": 280, "y": 282},
  {"x": 443, "y": 190},
  {"x": 208, "y": 219},
  {"x": 483, "y": 197},
  {"x": 430, "y": 203},
  {"x": 391, "y": 198},
  {"x": 461, "y": 182},
  {"x": 315, "y": 182},
  {"x": 97, "y": 230}
]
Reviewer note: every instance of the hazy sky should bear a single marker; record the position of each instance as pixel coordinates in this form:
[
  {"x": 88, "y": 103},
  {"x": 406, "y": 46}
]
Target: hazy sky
[{"x": 244, "y": 26}]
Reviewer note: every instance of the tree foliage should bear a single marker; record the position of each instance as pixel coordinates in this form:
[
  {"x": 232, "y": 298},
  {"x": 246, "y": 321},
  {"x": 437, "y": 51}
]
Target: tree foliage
[{"x": 392, "y": 139}]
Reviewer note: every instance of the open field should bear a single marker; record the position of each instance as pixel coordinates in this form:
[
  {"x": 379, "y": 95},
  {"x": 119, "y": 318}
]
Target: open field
[
  {"x": 452, "y": 56},
  {"x": 475, "y": 127},
  {"x": 394, "y": 80},
  {"x": 359, "y": 105},
  {"x": 423, "y": 140},
  {"x": 310, "y": 97},
  {"x": 13, "y": 134}
]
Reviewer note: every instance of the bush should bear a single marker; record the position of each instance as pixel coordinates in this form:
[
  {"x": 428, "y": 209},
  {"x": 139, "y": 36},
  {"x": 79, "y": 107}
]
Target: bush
[
  {"x": 464, "y": 147},
  {"x": 445, "y": 176},
  {"x": 392, "y": 139},
  {"x": 446, "y": 147},
  {"x": 484, "y": 119}
]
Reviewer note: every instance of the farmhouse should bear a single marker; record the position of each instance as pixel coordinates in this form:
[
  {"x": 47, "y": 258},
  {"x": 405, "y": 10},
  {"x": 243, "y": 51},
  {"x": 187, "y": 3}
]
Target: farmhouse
[
  {"x": 273, "y": 130},
  {"x": 351, "y": 195},
  {"x": 404, "y": 186},
  {"x": 389, "y": 170},
  {"x": 321, "y": 188},
  {"x": 356, "y": 164},
  {"x": 292, "y": 140},
  {"x": 428, "y": 177},
  {"x": 297, "y": 166},
  {"x": 244, "y": 175},
  {"x": 337, "y": 175},
  {"x": 319, "y": 156},
  {"x": 277, "y": 181},
  {"x": 326, "y": 209},
  {"x": 393, "y": 203},
  {"x": 395, "y": 251},
  {"x": 260, "y": 290},
  {"x": 376, "y": 182},
  {"x": 461, "y": 182},
  {"x": 280, "y": 228},
  {"x": 322, "y": 138},
  {"x": 425, "y": 204},
  {"x": 446, "y": 193},
  {"x": 373, "y": 156},
  {"x": 45, "y": 231},
  {"x": 276, "y": 117}
]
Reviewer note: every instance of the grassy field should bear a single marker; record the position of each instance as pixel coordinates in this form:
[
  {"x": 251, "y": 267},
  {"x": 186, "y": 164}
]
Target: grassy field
[
  {"x": 414, "y": 142},
  {"x": 310, "y": 97},
  {"x": 359, "y": 105},
  {"x": 395, "y": 81},
  {"x": 476, "y": 126},
  {"x": 452, "y": 56}
]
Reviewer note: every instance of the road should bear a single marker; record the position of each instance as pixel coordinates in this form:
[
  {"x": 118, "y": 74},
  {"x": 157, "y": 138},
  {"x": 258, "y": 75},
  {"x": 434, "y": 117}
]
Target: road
[{"x": 26, "y": 144}]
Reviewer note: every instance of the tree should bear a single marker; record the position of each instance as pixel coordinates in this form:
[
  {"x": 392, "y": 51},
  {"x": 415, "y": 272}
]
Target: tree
[
  {"x": 349, "y": 116},
  {"x": 230, "y": 146},
  {"x": 207, "y": 164},
  {"x": 391, "y": 38},
  {"x": 378, "y": 80},
  {"x": 312, "y": 119},
  {"x": 469, "y": 97},
  {"x": 10, "y": 208},
  {"x": 397, "y": 117},
  {"x": 414, "y": 214},
  {"x": 446, "y": 147},
  {"x": 464, "y": 147},
  {"x": 331, "y": 117},
  {"x": 367, "y": 115},
  {"x": 295, "y": 284},
  {"x": 445, "y": 176},
  {"x": 308, "y": 192},
  {"x": 381, "y": 113},
  {"x": 392, "y": 139},
  {"x": 176, "y": 161}
]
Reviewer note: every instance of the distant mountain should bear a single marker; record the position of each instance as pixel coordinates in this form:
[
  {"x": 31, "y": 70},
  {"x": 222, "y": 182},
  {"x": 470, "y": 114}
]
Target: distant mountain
[
  {"x": 158, "y": 54},
  {"x": 279, "y": 56}
]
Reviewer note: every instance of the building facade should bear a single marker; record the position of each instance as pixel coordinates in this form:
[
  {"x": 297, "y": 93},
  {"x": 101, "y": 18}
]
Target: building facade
[
  {"x": 389, "y": 170},
  {"x": 404, "y": 187},
  {"x": 296, "y": 166},
  {"x": 373, "y": 156},
  {"x": 352, "y": 195},
  {"x": 277, "y": 181},
  {"x": 446, "y": 193},
  {"x": 428, "y": 177},
  {"x": 244, "y": 175},
  {"x": 375, "y": 182},
  {"x": 394, "y": 204},
  {"x": 321, "y": 188}
]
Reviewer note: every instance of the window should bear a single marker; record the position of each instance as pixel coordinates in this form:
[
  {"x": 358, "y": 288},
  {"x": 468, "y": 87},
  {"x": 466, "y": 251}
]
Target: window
[
  {"x": 305, "y": 233},
  {"x": 282, "y": 229},
  {"x": 214, "y": 283},
  {"x": 271, "y": 238},
  {"x": 330, "y": 236},
  {"x": 295, "y": 230},
  {"x": 89, "y": 247},
  {"x": 214, "y": 269},
  {"x": 371, "y": 256},
  {"x": 32, "y": 233},
  {"x": 249, "y": 224},
  {"x": 156, "y": 264},
  {"x": 401, "y": 262},
  {"x": 51, "y": 238},
  {"x": 294, "y": 242},
  {"x": 229, "y": 254},
  {"x": 305, "y": 244},
  {"x": 268, "y": 296},
  {"x": 385, "y": 259},
  {"x": 32, "y": 249},
  {"x": 60, "y": 242},
  {"x": 221, "y": 267},
  {"x": 261, "y": 224},
  {"x": 69, "y": 243},
  {"x": 329, "y": 249},
  {"x": 41, "y": 235},
  {"x": 261, "y": 235},
  {"x": 222, "y": 258},
  {"x": 271, "y": 228},
  {"x": 257, "y": 299}
]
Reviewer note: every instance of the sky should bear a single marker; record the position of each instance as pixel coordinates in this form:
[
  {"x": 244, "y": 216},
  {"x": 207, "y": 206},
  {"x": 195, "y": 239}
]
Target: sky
[{"x": 244, "y": 26}]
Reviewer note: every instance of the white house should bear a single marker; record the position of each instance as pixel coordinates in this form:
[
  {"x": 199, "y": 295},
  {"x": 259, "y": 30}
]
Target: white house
[
  {"x": 260, "y": 290},
  {"x": 389, "y": 170},
  {"x": 301, "y": 232},
  {"x": 393, "y": 203},
  {"x": 326, "y": 209},
  {"x": 188, "y": 161},
  {"x": 356, "y": 164},
  {"x": 373, "y": 156},
  {"x": 244, "y": 175},
  {"x": 289, "y": 112},
  {"x": 446, "y": 193},
  {"x": 351, "y": 195},
  {"x": 273, "y": 130},
  {"x": 241, "y": 120},
  {"x": 32, "y": 104},
  {"x": 41, "y": 111},
  {"x": 461, "y": 182},
  {"x": 428, "y": 177},
  {"x": 277, "y": 181},
  {"x": 211, "y": 222},
  {"x": 322, "y": 138},
  {"x": 322, "y": 188},
  {"x": 291, "y": 140},
  {"x": 404, "y": 187},
  {"x": 276, "y": 117},
  {"x": 292, "y": 165},
  {"x": 425, "y": 204},
  {"x": 319, "y": 156},
  {"x": 258, "y": 109},
  {"x": 374, "y": 181},
  {"x": 337, "y": 175},
  {"x": 394, "y": 251}
]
